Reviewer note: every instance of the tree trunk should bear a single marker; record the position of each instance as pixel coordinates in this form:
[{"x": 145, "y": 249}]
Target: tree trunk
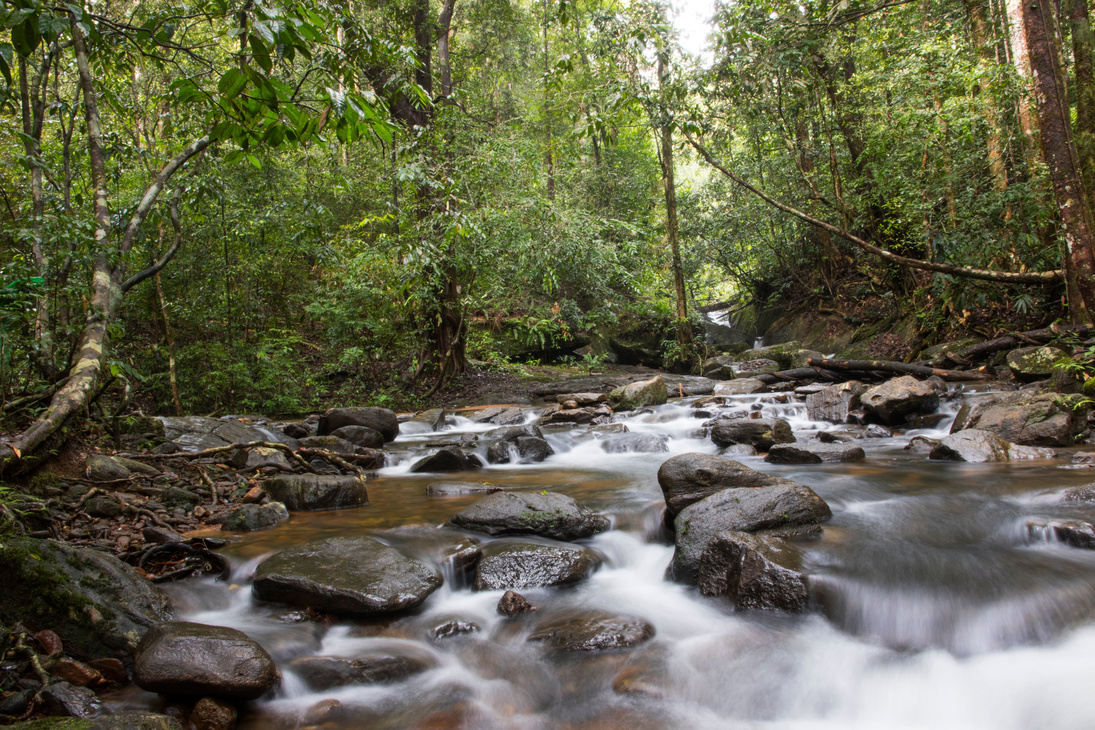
[
  {"x": 1083, "y": 58},
  {"x": 684, "y": 330},
  {"x": 1073, "y": 202}
]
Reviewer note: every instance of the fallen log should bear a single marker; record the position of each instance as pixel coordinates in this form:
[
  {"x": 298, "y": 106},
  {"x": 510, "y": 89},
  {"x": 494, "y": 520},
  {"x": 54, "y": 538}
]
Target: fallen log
[
  {"x": 1008, "y": 342},
  {"x": 900, "y": 367}
]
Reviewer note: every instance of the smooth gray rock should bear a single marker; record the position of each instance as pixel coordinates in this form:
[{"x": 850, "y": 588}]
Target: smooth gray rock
[
  {"x": 1027, "y": 419},
  {"x": 813, "y": 453},
  {"x": 977, "y": 446},
  {"x": 447, "y": 459},
  {"x": 739, "y": 386},
  {"x": 592, "y": 631},
  {"x": 687, "y": 478},
  {"x": 526, "y": 442},
  {"x": 196, "y": 433},
  {"x": 363, "y": 436},
  {"x": 833, "y": 402},
  {"x": 183, "y": 658},
  {"x": 753, "y": 572},
  {"x": 321, "y": 673},
  {"x": 311, "y": 492},
  {"x": 640, "y": 394},
  {"x": 891, "y": 402},
  {"x": 381, "y": 420},
  {"x": 921, "y": 445},
  {"x": 98, "y": 605},
  {"x": 761, "y": 433},
  {"x": 546, "y": 514},
  {"x": 517, "y": 565},
  {"x": 740, "y": 510},
  {"x": 347, "y": 575}
]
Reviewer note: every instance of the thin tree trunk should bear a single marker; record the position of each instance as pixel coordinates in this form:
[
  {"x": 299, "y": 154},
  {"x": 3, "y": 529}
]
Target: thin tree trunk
[
  {"x": 1073, "y": 202},
  {"x": 684, "y": 330},
  {"x": 1083, "y": 58}
]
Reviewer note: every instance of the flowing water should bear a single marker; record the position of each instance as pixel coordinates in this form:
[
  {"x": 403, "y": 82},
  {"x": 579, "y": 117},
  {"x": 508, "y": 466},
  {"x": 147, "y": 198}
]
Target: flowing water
[{"x": 938, "y": 607}]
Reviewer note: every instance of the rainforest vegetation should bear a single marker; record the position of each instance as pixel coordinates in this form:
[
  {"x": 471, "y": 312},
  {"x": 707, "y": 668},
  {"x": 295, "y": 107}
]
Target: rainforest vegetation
[{"x": 273, "y": 206}]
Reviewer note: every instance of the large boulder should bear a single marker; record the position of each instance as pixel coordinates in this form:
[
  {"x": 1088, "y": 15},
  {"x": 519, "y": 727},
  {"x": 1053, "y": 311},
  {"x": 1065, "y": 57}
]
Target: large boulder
[
  {"x": 363, "y": 436},
  {"x": 1028, "y": 419},
  {"x": 893, "y": 401},
  {"x": 445, "y": 460},
  {"x": 546, "y": 514},
  {"x": 687, "y": 478},
  {"x": 975, "y": 445},
  {"x": 196, "y": 433},
  {"x": 311, "y": 492},
  {"x": 753, "y": 572},
  {"x": 640, "y": 394},
  {"x": 516, "y": 565},
  {"x": 347, "y": 575},
  {"x": 381, "y": 420},
  {"x": 813, "y": 453},
  {"x": 786, "y": 505},
  {"x": 98, "y": 605},
  {"x": 592, "y": 631},
  {"x": 1028, "y": 364},
  {"x": 761, "y": 433},
  {"x": 833, "y": 402},
  {"x": 183, "y": 658}
]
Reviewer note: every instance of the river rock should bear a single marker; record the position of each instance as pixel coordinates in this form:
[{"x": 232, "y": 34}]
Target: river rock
[
  {"x": 381, "y": 420},
  {"x": 978, "y": 446},
  {"x": 891, "y": 402},
  {"x": 921, "y": 445},
  {"x": 183, "y": 658},
  {"x": 213, "y": 714},
  {"x": 761, "y": 433},
  {"x": 527, "y": 443},
  {"x": 311, "y": 492},
  {"x": 687, "y": 478},
  {"x": 582, "y": 399},
  {"x": 447, "y": 459},
  {"x": 513, "y": 603},
  {"x": 254, "y": 517},
  {"x": 363, "y": 436},
  {"x": 62, "y": 699},
  {"x": 643, "y": 393},
  {"x": 1028, "y": 364},
  {"x": 330, "y": 442},
  {"x": 1077, "y": 533},
  {"x": 833, "y": 402},
  {"x": 546, "y": 514},
  {"x": 788, "y": 504},
  {"x": 592, "y": 631},
  {"x": 1081, "y": 495},
  {"x": 1028, "y": 419},
  {"x": 753, "y": 367},
  {"x": 514, "y": 565},
  {"x": 813, "y": 453},
  {"x": 196, "y": 433},
  {"x": 639, "y": 443},
  {"x": 321, "y": 673},
  {"x": 454, "y": 551},
  {"x": 739, "y": 386},
  {"x": 346, "y": 575},
  {"x": 460, "y": 489},
  {"x": 500, "y": 415},
  {"x": 720, "y": 367},
  {"x": 753, "y": 572},
  {"x": 98, "y": 605},
  {"x": 577, "y": 416}
]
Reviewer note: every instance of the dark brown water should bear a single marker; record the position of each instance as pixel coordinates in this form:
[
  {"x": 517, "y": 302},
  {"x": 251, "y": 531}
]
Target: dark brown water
[{"x": 938, "y": 607}]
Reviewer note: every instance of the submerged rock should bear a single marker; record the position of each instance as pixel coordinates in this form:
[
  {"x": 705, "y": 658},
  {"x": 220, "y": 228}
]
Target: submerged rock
[
  {"x": 753, "y": 572},
  {"x": 978, "y": 446},
  {"x": 546, "y": 514},
  {"x": 592, "y": 632},
  {"x": 813, "y": 453},
  {"x": 760, "y": 433},
  {"x": 640, "y": 443},
  {"x": 519, "y": 565},
  {"x": 527, "y": 443},
  {"x": 460, "y": 489},
  {"x": 381, "y": 420},
  {"x": 351, "y": 575},
  {"x": 98, "y": 605},
  {"x": 311, "y": 492},
  {"x": 891, "y": 402},
  {"x": 687, "y": 478},
  {"x": 321, "y": 673},
  {"x": 183, "y": 658},
  {"x": 788, "y": 504},
  {"x": 1077, "y": 533}
]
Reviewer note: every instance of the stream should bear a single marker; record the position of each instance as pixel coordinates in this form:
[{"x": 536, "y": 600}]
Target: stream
[{"x": 937, "y": 606}]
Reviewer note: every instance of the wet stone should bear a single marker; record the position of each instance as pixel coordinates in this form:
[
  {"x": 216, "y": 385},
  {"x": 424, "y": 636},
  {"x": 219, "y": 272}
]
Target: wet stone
[
  {"x": 453, "y": 627},
  {"x": 322, "y": 673},
  {"x": 62, "y": 699},
  {"x": 50, "y": 642},
  {"x": 921, "y": 445},
  {"x": 1077, "y": 533},
  {"x": 460, "y": 489},
  {"x": 687, "y": 478},
  {"x": 546, "y": 514},
  {"x": 447, "y": 459},
  {"x": 75, "y": 673},
  {"x": 381, "y": 420},
  {"x": 639, "y": 443},
  {"x": 592, "y": 632},
  {"x": 513, "y": 603},
  {"x": 1082, "y": 495},
  {"x": 352, "y": 575},
  {"x": 310, "y": 492},
  {"x": 254, "y": 517},
  {"x": 753, "y": 572},
  {"x": 761, "y": 433},
  {"x": 813, "y": 453},
  {"x": 518, "y": 565},
  {"x": 213, "y": 714},
  {"x": 977, "y": 446},
  {"x": 362, "y": 436}
]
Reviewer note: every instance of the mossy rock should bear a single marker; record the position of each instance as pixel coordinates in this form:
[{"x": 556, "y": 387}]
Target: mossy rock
[
  {"x": 134, "y": 720},
  {"x": 98, "y": 605},
  {"x": 1028, "y": 364}
]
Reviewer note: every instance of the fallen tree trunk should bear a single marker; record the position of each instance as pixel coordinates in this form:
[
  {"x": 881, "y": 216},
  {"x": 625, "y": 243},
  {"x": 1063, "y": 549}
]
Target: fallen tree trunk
[
  {"x": 900, "y": 367},
  {"x": 1008, "y": 342}
]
